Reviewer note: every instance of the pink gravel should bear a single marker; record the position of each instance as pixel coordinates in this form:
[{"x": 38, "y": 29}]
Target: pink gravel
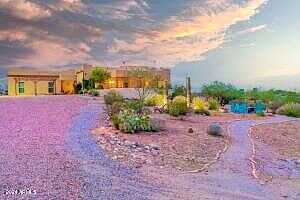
[{"x": 33, "y": 156}]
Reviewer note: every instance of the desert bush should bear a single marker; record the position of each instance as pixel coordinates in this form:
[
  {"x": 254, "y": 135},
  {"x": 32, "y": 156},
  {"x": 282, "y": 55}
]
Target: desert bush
[
  {"x": 213, "y": 104},
  {"x": 179, "y": 90},
  {"x": 198, "y": 103},
  {"x": 135, "y": 105},
  {"x": 115, "y": 121},
  {"x": 77, "y": 88},
  {"x": 223, "y": 92},
  {"x": 116, "y": 108},
  {"x": 274, "y": 105},
  {"x": 202, "y": 111},
  {"x": 93, "y": 92},
  {"x": 214, "y": 129},
  {"x": 290, "y": 109},
  {"x": 155, "y": 100},
  {"x": 129, "y": 122},
  {"x": 178, "y": 106},
  {"x": 260, "y": 114},
  {"x": 112, "y": 97}
]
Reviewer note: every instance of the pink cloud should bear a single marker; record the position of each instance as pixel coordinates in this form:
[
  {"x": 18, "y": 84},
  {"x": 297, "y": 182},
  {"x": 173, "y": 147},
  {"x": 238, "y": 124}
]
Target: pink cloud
[
  {"x": 252, "y": 29},
  {"x": 13, "y": 35},
  {"x": 25, "y": 9},
  {"x": 188, "y": 37},
  {"x": 54, "y": 53}
]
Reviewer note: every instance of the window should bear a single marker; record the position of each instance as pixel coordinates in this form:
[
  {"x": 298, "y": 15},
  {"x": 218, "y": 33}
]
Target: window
[
  {"x": 21, "y": 87},
  {"x": 51, "y": 87}
]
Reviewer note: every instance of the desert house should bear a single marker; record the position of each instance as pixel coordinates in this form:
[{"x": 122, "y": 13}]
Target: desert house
[{"x": 28, "y": 81}]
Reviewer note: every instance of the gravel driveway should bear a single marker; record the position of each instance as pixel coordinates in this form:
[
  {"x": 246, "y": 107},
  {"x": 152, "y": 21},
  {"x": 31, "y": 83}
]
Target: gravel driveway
[
  {"x": 47, "y": 153},
  {"x": 232, "y": 176}
]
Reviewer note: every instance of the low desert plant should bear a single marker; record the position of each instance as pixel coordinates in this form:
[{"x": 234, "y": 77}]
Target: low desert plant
[
  {"x": 198, "y": 103},
  {"x": 178, "y": 106},
  {"x": 290, "y": 109},
  {"x": 112, "y": 97},
  {"x": 115, "y": 108},
  {"x": 155, "y": 100},
  {"x": 213, "y": 104},
  {"x": 129, "y": 122},
  {"x": 115, "y": 121},
  {"x": 260, "y": 114},
  {"x": 202, "y": 111},
  {"x": 93, "y": 92},
  {"x": 135, "y": 105},
  {"x": 274, "y": 105}
]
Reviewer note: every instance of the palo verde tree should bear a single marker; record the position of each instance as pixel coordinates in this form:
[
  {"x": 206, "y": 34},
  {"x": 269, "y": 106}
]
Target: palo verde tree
[
  {"x": 147, "y": 83},
  {"x": 100, "y": 75},
  {"x": 222, "y": 92}
]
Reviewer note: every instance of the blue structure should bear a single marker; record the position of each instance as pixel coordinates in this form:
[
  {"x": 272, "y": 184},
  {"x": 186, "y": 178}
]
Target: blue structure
[
  {"x": 239, "y": 107},
  {"x": 260, "y": 107},
  {"x": 244, "y": 108}
]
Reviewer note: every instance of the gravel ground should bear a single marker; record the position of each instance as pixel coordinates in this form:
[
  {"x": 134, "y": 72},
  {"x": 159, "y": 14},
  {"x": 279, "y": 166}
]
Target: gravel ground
[
  {"x": 231, "y": 177},
  {"x": 46, "y": 153}
]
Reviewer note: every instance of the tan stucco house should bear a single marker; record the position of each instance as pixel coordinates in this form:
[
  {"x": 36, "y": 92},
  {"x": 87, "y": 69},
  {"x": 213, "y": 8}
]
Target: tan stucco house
[{"x": 25, "y": 81}]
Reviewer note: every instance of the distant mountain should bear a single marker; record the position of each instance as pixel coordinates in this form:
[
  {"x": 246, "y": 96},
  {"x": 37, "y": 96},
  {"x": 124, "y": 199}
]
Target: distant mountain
[{"x": 286, "y": 82}]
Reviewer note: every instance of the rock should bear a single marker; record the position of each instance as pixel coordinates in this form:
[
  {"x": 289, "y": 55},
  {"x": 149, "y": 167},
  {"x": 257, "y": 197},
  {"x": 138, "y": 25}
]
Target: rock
[
  {"x": 147, "y": 147},
  {"x": 127, "y": 143},
  {"x": 190, "y": 130},
  {"x": 215, "y": 129},
  {"x": 112, "y": 142},
  {"x": 154, "y": 146},
  {"x": 155, "y": 153}
]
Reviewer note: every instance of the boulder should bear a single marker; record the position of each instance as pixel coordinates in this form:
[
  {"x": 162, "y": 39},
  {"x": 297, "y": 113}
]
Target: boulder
[{"x": 215, "y": 129}]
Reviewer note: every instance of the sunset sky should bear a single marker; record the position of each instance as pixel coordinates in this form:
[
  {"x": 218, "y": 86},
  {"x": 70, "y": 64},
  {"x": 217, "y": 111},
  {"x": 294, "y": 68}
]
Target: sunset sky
[{"x": 245, "y": 42}]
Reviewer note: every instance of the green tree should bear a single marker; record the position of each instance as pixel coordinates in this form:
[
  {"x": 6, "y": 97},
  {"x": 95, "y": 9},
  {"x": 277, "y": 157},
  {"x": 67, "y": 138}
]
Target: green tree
[
  {"x": 179, "y": 90},
  {"x": 100, "y": 75},
  {"x": 223, "y": 92}
]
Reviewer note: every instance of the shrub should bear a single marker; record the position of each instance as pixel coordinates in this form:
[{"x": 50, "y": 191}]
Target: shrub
[
  {"x": 213, "y": 104},
  {"x": 178, "y": 106},
  {"x": 93, "y": 92},
  {"x": 179, "y": 91},
  {"x": 155, "y": 100},
  {"x": 135, "y": 105},
  {"x": 115, "y": 121},
  {"x": 112, "y": 97},
  {"x": 198, "y": 103},
  {"x": 222, "y": 91},
  {"x": 260, "y": 114},
  {"x": 129, "y": 122},
  {"x": 290, "y": 109},
  {"x": 77, "y": 88},
  {"x": 202, "y": 111},
  {"x": 115, "y": 108},
  {"x": 274, "y": 105}
]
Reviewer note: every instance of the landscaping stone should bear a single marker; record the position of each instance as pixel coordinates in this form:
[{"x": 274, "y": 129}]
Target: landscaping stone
[{"x": 215, "y": 129}]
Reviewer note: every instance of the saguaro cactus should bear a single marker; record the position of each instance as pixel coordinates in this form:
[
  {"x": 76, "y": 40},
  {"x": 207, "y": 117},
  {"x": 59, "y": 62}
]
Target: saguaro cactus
[{"x": 188, "y": 91}]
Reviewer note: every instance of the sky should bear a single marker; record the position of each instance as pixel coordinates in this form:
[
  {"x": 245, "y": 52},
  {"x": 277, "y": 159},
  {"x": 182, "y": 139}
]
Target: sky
[{"x": 244, "y": 42}]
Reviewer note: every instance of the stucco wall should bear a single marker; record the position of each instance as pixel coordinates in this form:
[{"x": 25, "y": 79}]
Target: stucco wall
[
  {"x": 11, "y": 87},
  {"x": 29, "y": 88},
  {"x": 67, "y": 87}
]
